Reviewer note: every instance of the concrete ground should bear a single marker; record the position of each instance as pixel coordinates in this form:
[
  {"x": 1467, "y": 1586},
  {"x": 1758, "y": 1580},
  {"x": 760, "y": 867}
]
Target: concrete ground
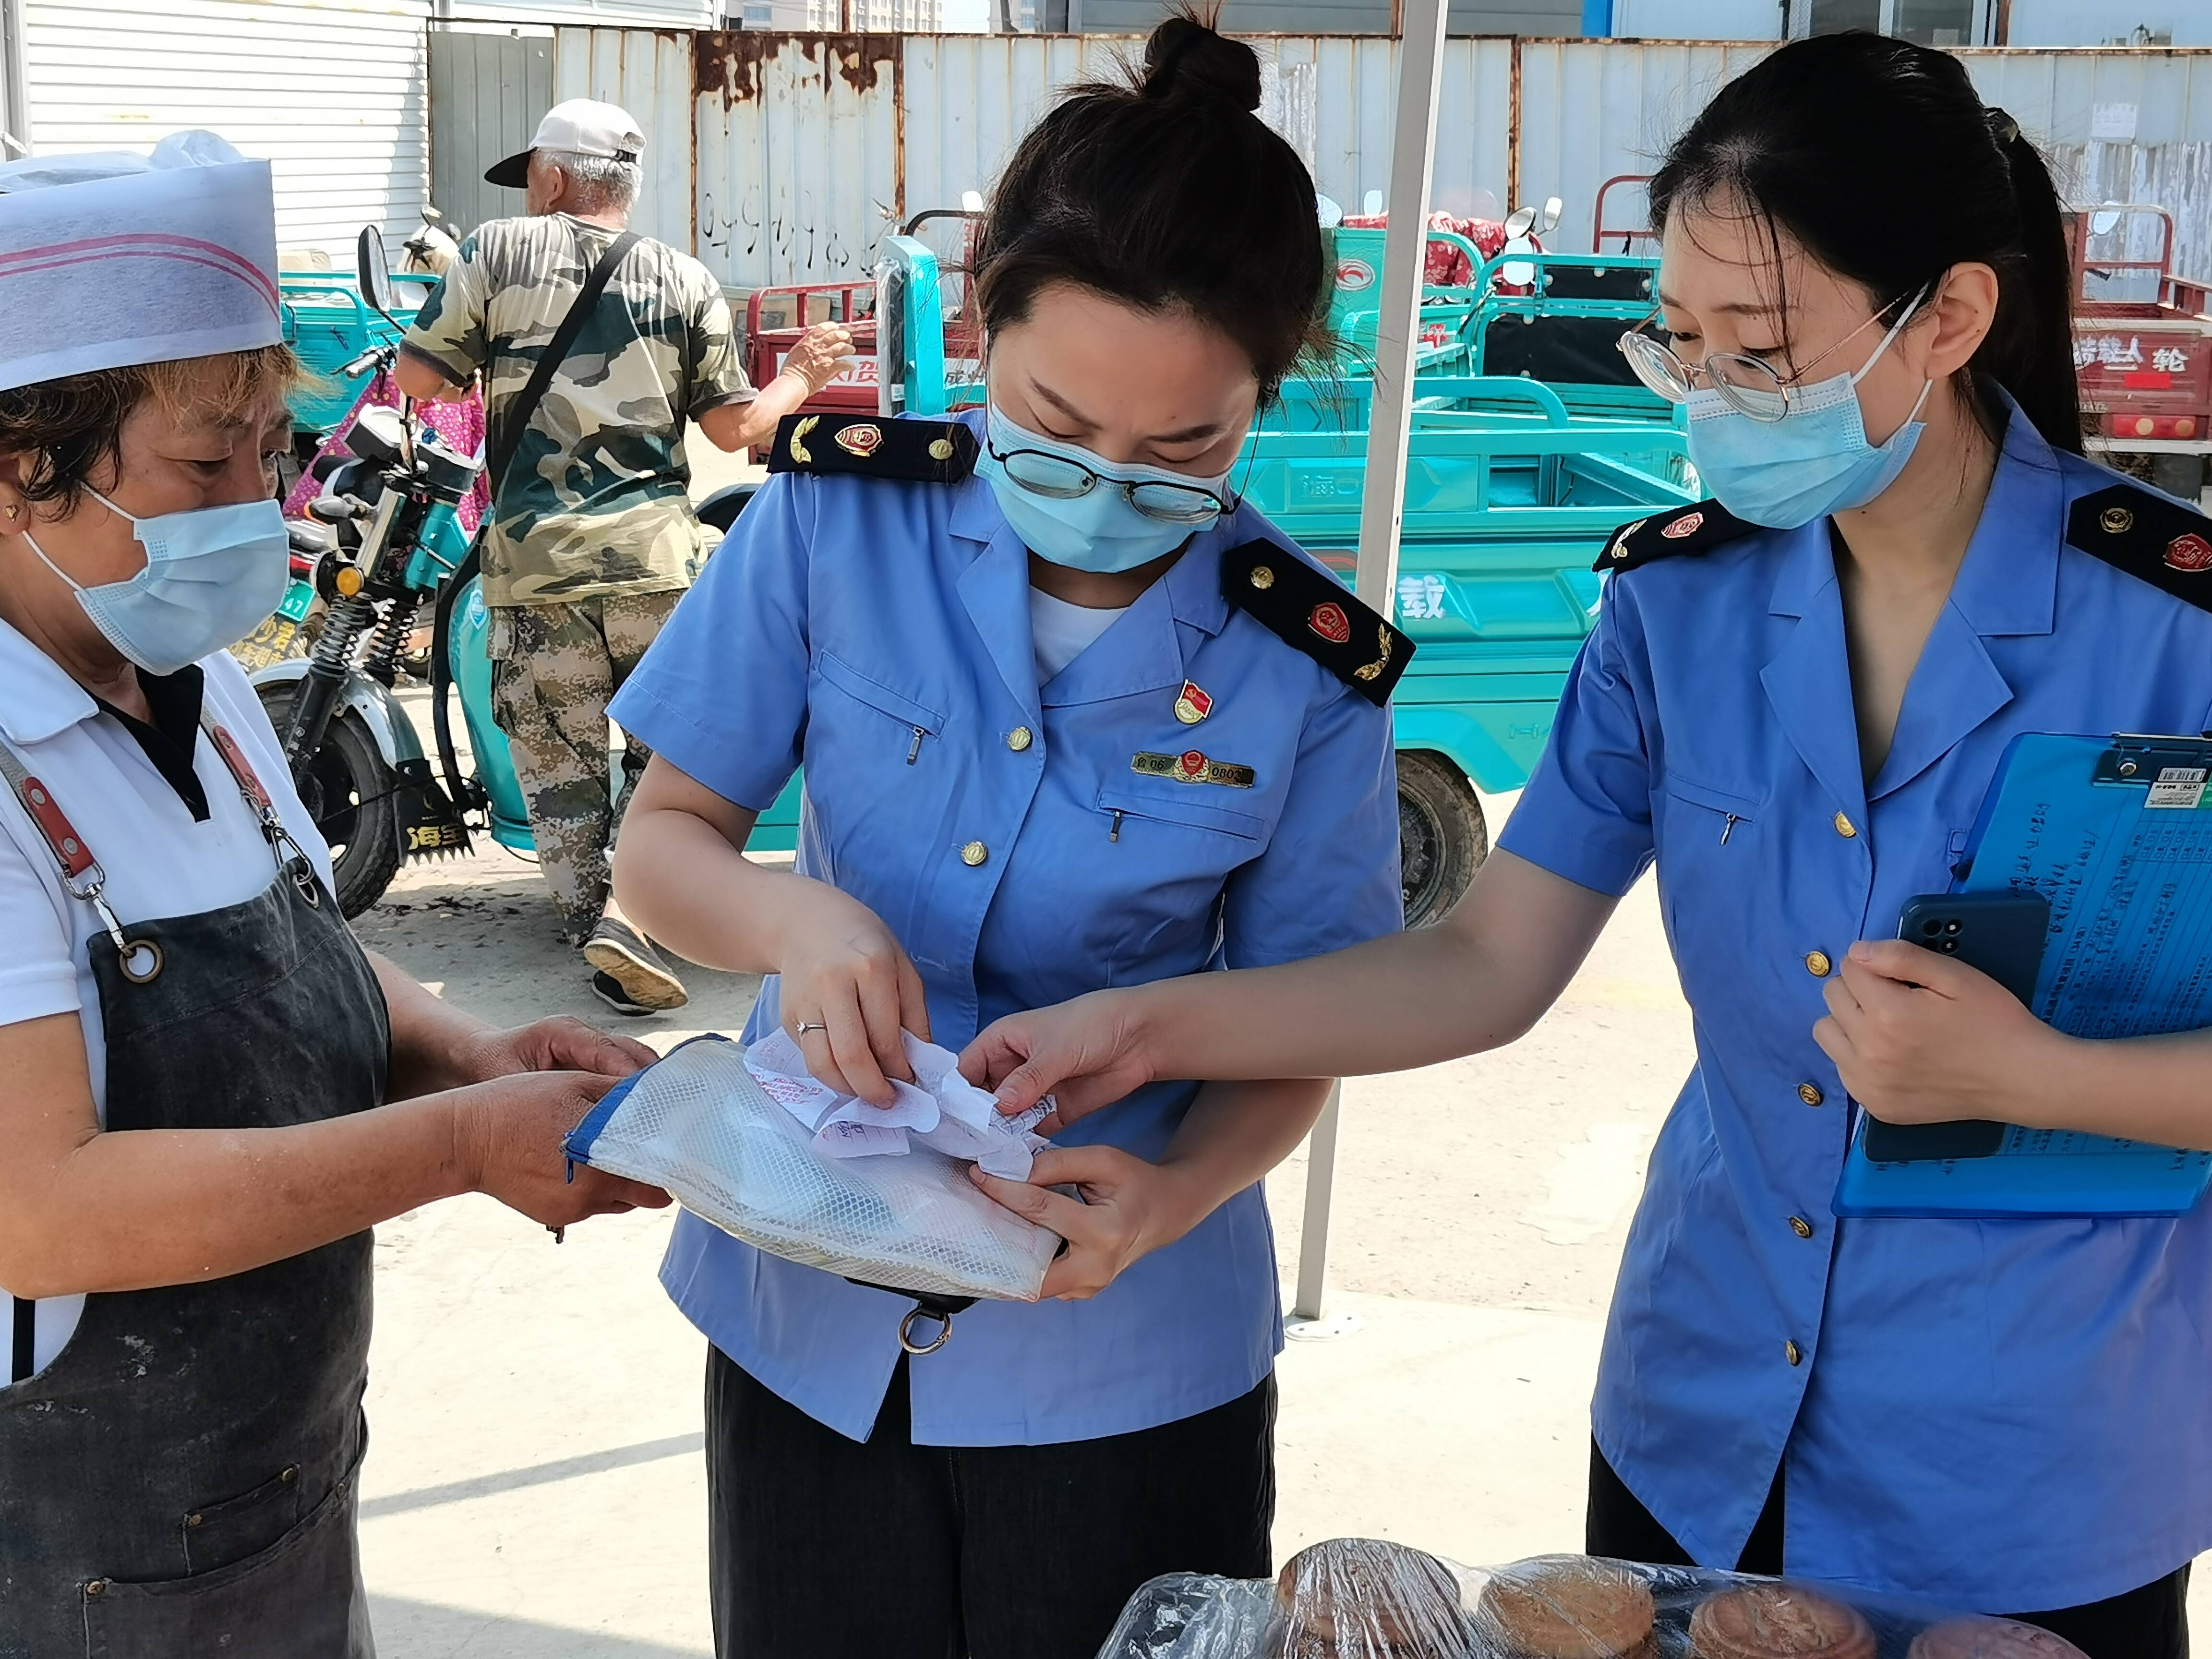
[{"x": 534, "y": 1489}]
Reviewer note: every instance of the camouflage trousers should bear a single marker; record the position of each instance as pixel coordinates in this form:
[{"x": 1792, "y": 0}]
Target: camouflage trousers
[{"x": 555, "y": 668}]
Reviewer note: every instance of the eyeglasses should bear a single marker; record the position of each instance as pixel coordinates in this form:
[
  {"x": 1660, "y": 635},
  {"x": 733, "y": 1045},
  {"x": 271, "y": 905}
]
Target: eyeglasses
[
  {"x": 1746, "y": 384},
  {"x": 1061, "y": 479}
]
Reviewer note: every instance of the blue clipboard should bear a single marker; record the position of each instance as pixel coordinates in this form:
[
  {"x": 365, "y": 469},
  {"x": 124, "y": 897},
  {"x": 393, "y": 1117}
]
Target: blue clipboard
[{"x": 2116, "y": 833}]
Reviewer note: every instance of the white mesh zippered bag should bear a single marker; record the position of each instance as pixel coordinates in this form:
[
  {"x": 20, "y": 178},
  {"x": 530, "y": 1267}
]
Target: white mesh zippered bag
[{"x": 697, "y": 1124}]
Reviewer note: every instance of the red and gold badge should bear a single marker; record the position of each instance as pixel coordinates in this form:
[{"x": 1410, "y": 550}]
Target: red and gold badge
[
  {"x": 1688, "y": 525},
  {"x": 1191, "y": 704},
  {"x": 1329, "y": 622},
  {"x": 862, "y": 440},
  {"x": 2191, "y": 552}
]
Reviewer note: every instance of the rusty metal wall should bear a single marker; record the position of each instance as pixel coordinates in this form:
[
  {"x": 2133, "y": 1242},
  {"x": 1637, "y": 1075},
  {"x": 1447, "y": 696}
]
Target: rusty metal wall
[{"x": 786, "y": 157}]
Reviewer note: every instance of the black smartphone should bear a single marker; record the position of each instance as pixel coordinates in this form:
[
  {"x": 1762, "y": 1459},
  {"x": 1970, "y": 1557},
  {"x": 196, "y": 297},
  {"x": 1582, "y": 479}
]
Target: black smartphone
[{"x": 2001, "y": 934}]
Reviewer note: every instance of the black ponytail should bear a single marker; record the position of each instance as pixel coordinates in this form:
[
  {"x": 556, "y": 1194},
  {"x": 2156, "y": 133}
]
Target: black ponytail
[
  {"x": 1166, "y": 193},
  {"x": 1877, "y": 157}
]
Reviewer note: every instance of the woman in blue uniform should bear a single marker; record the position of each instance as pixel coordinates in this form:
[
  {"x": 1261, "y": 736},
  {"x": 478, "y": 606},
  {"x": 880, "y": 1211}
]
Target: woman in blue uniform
[
  {"x": 1070, "y": 719},
  {"x": 1794, "y": 702}
]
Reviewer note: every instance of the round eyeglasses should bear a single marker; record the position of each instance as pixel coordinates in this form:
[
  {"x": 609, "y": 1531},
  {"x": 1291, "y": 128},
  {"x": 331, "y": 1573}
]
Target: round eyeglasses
[
  {"x": 1062, "y": 479},
  {"x": 1746, "y": 384}
]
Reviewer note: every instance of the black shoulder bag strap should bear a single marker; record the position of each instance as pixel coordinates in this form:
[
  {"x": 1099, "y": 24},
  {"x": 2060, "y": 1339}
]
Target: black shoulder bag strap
[{"x": 500, "y": 454}]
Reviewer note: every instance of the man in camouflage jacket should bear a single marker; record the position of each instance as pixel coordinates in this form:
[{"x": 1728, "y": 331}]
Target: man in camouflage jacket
[{"x": 592, "y": 539}]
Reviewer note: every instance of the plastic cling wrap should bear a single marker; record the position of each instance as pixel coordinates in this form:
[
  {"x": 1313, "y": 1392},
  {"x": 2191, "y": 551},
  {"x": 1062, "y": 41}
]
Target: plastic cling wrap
[
  {"x": 699, "y": 1126},
  {"x": 1360, "y": 1598}
]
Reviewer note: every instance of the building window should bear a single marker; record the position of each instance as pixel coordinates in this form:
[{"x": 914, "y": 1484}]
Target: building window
[{"x": 1930, "y": 22}]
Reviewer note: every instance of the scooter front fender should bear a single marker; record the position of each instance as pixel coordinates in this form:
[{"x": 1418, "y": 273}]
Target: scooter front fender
[{"x": 380, "y": 711}]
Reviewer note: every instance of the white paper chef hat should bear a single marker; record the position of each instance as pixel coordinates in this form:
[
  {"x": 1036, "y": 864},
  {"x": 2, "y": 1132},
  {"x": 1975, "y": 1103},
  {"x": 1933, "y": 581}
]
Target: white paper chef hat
[{"x": 116, "y": 259}]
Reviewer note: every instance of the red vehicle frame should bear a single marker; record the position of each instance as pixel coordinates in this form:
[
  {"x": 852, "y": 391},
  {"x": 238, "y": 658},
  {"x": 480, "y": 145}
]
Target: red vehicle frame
[
  {"x": 2144, "y": 363},
  {"x": 857, "y": 390}
]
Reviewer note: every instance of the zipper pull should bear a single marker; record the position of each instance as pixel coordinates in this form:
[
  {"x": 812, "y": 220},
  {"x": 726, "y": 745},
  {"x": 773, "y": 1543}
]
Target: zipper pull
[
  {"x": 1727, "y": 830},
  {"x": 913, "y": 752},
  {"x": 1114, "y": 833}
]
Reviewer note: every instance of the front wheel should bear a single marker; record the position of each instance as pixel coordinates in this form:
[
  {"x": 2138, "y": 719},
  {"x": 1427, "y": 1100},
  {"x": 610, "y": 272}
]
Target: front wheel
[
  {"x": 347, "y": 791},
  {"x": 1442, "y": 837}
]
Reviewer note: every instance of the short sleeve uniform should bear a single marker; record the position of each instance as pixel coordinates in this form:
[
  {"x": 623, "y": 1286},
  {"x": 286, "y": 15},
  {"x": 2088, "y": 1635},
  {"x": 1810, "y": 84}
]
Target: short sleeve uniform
[
  {"x": 1014, "y": 840},
  {"x": 160, "y": 855},
  {"x": 1991, "y": 1414},
  {"x": 596, "y": 501}
]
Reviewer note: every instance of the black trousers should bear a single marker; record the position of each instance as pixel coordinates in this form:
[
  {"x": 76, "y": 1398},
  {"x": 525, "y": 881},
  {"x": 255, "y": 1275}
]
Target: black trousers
[
  {"x": 822, "y": 1548},
  {"x": 2149, "y": 1623}
]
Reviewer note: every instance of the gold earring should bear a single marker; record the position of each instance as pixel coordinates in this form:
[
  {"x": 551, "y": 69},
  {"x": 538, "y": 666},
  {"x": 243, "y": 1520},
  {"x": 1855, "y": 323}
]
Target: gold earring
[{"x": 15, "y": 512}]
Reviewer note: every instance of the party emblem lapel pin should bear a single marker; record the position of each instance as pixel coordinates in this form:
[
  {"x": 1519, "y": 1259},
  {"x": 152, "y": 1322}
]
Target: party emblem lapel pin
[{"x": 1191, "y": 704}]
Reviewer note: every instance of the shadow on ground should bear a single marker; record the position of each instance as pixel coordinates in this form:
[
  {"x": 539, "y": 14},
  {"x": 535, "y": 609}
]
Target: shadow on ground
[{"x": 422, "y": 1630}]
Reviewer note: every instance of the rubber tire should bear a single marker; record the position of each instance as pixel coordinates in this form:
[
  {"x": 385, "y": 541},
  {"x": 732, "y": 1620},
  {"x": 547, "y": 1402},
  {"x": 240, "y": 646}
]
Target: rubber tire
[
  {"x": 1442, "y": 838},
  {"x": 364, "y": 839}
]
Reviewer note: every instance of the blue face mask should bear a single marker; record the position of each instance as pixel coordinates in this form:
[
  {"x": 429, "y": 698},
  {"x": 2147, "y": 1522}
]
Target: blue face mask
[
  {"x": 212, "y": 576},
  {"x": 1814, "y": 461},
  {"x": 1071, "y": 506}
]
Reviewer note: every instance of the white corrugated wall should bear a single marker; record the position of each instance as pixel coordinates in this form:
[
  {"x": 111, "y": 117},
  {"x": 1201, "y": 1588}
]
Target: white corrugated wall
[
  {"x": 648, "y": 73},
  {"x": 331, "y": 94},
  {"x": 808, "y": 147}
]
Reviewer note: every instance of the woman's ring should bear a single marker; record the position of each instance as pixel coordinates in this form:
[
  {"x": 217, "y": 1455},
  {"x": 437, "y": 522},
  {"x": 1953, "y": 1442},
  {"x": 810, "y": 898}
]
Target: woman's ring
[{"x": 806, "y": 1025}]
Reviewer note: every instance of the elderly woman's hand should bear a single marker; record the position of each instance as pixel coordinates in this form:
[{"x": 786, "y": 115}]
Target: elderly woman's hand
[
  {"x": 562, "y": 1044},
  {"x": 508, "y": 1140}
]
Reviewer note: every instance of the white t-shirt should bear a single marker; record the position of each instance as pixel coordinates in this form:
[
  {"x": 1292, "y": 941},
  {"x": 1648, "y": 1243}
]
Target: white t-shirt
[
  {"x": 1060, "y": 632},
  {"x": 157, "y": 860}
]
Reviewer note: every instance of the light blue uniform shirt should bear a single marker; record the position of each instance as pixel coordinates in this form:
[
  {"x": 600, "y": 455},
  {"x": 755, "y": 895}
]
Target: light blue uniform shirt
[
  {"x": 1999, "y": 1414},
  {"x": 880, "y": 632}
]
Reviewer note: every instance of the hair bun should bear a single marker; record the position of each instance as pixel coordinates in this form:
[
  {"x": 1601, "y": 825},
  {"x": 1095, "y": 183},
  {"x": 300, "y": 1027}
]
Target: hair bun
[{"x": 1187, "y": 58}]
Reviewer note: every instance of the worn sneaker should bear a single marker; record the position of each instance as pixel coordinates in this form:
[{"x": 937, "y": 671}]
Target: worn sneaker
[
  {"x": 623, "y": 954},
  {"x": 610, "y": 991}
]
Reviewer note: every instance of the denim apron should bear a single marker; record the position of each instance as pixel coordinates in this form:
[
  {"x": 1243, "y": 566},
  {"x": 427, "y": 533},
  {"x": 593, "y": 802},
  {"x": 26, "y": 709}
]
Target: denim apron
[{"x": 181, "y": 1479}]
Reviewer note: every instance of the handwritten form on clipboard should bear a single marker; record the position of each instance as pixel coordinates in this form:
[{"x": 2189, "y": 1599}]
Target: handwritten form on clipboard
[{"x": 2116, "y": 833}]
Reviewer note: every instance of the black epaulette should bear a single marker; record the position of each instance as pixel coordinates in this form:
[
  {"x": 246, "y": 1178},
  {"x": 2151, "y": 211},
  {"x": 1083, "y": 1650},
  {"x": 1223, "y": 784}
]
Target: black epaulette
[
  {"x": 1668, "y": 535},
  {"x": 1316, "y": 613},
  {"x": 2148, "y": 536},
  {"x": 912, "y": 452}
]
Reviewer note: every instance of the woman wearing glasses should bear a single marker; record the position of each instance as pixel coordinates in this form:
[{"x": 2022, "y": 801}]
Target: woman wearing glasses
[
  {"x": 1074, "y": 718},
  {"x": 1793, "y": 703}
]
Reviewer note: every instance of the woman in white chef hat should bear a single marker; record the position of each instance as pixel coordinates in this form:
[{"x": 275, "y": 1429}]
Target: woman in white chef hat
[{"x": 208, "y": 1093}]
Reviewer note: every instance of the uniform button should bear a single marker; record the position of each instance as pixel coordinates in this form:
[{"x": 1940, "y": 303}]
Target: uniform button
[
  {"x": 1817, "y": 964},
  {"x": 1793, "y": 1353},
  {"x": 1020, "y": 738},
  {"x": 1800, "y": 1226},
  {"x": 95, "y": 1587},
  {"x": 195, "y": 1520},
  {"x": 1844, "y": 827},
  {"x": 1810, "y": 1093},
  {"x": 974, "y": 853}
]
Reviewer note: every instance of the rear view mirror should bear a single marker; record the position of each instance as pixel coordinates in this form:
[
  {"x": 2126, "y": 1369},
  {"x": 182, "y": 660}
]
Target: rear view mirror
[
  {"x": 2104, "y": 221},
  {"x": 1549, "y": 218},
  {"x": 372, "y": 272},
  {"x": 1520, "y": 222}
]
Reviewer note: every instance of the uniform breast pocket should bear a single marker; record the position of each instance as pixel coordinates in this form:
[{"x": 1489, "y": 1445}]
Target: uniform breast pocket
[
  {"x": 877, "y": 724},
  {"x": 1692, "y": 812},
  {"x": 1171, "y": 849},
  {"x": 1713, "y": 884}
]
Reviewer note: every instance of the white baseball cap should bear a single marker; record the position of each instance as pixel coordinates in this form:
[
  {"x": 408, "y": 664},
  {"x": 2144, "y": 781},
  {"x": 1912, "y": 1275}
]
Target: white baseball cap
[{"x": 583, "y": 127}]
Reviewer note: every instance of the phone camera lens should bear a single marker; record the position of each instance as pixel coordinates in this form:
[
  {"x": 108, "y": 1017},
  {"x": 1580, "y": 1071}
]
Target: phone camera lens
[
  {"x": 1954, "y": 927},
  {"x": 1950, "y": 944},
  {"x": 1931, "y": 929}
]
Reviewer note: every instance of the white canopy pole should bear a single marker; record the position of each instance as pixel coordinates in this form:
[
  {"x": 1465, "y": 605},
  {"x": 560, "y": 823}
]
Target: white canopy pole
[{"x": 1382, "y": 508}]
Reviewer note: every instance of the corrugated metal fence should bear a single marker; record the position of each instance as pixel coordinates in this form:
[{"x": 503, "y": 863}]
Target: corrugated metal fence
[{"x": 788, "y": 158}]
